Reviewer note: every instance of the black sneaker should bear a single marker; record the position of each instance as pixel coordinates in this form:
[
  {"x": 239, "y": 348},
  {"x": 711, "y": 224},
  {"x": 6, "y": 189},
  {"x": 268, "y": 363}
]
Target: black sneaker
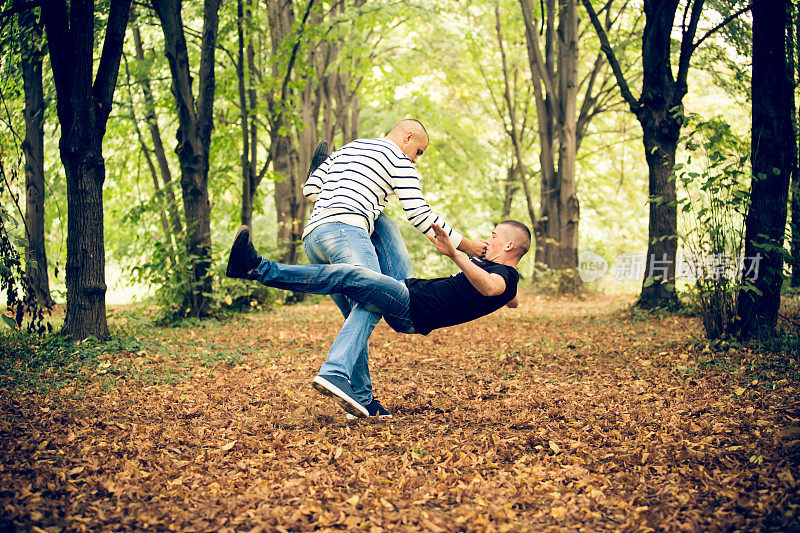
[
  {"x": 340, "y": 390},
  {"x": 374, "y": 408},
  {"x": 320, "y": 155},
  {"x": 243, "y": 257}
]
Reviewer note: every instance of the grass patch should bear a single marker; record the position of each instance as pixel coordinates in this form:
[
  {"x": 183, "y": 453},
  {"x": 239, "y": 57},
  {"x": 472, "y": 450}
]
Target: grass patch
[
  {"x": 29, "y": 362},
  {"x": 763, "y": 361}
]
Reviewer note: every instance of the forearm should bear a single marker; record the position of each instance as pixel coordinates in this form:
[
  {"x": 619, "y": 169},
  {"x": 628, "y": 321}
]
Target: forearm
[
  {"x": 313, "y": 185},
  {"x": 418, "y": 211},
  {"x": 472, "y": 247},
  {"x": 487, "y": 284}
]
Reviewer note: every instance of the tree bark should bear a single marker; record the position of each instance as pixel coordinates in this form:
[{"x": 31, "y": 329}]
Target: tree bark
[
  {"x": 245, "y": 73},
  {"x": 33, "y": 149},
  {"x": 195, "y": 122},
  {"x": 774, "y": 158},
  {"x": 795, "y": 193},
  {"x": 83, "y": 109},
  {"x": 554, "y": 73},
  {"x": 568, "y": 205}
]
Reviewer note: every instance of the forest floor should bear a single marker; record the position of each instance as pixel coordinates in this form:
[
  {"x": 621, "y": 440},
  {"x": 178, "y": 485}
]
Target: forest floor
[{"x": 562, "y": 415}]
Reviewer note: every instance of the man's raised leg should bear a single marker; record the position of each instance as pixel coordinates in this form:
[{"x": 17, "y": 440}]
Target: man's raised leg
[{"x": 377, "y": 294}]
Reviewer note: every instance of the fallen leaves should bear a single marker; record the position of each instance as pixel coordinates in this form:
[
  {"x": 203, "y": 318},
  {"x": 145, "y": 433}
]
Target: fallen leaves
[{"x": 569, "y": 416}]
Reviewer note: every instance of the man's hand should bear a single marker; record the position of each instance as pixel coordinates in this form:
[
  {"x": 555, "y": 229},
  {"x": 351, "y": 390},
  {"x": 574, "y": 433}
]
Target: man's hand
[
  {"x": 442, "y": 242},
  {"x": 473, "y": 247},
  {"x": 487, "y": 284}
]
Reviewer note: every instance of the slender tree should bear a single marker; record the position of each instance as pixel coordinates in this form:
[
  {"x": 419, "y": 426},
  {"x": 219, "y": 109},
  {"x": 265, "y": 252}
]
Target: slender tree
[
  {"x": 83, "y": 108},
  {"x": 143, "y": 77},
  {"x": 195, "y": 122},
  {"x": 554, "y": 62},
  {"x": 290, "y": 204},
  {"x": 32, "y": 53},
  {"x": 246, "y": 75},
  {"x": 774, "y": 159},
  {"x": 146, "y": 152},
  {"x": 795, "y": 192},
  {"x": 659, "y": 110}
]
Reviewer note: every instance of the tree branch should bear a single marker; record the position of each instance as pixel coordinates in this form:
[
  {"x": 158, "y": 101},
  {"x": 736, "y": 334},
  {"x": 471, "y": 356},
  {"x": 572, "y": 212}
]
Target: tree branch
[
  {"x": 537, "y": 63},
  {"x": 725, "y": 22},
  {"x": 605, "y": 46},
  {"x": 206, "y": 73},
  {"x": 108, "y": 68},
  {"x": 55, "y": 22},
  {"x": 686, "y": 46},
  {"x": 295, "y": 48}
]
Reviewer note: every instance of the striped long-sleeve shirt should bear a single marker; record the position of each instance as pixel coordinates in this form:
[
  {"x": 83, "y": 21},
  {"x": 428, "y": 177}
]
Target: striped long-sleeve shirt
[{"x": 354, "y": 183}]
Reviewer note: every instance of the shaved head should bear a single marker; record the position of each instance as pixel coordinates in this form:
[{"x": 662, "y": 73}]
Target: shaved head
[
  {"x": 411, "y": 125},
  {"x": 411, "y": 136},
  {"x": 519, "y": 234}
]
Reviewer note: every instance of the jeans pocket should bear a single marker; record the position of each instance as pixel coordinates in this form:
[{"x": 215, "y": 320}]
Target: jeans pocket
[{"x": 340, "y": 243}]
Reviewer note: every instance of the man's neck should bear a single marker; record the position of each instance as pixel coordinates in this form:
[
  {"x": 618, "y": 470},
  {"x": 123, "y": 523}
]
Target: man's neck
[{"x": 506, "y": 260}]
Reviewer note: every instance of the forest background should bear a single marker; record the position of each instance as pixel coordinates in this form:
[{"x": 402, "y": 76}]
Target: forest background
[
  {"x": 647, "y": 381},
  {"x": 494, "y": 82}
]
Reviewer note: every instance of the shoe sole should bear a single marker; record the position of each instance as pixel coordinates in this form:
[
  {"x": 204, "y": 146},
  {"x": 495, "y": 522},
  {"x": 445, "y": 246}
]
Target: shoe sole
[
  {"x": 332, "y": 391},
  {"x": 351, "y": 417},
  {"x": 228, "y": 272}
]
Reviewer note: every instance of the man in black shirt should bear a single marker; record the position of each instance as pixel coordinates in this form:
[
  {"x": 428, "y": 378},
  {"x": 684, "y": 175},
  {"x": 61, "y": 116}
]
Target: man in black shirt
[{"x": 413, "y": 306}]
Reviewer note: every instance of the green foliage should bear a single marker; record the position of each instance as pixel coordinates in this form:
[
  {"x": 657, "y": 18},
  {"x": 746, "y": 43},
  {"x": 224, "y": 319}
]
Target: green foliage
[
  {"x": 714, "y": 202},
  {"x": 14, "y": 283},
  {"x": 435, "y": 60},
  {"x": 29, "y": 361}
]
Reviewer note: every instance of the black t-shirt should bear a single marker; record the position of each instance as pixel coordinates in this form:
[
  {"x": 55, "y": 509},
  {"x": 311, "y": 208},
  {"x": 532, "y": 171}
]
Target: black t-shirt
[{"x": 442, "y": 302}]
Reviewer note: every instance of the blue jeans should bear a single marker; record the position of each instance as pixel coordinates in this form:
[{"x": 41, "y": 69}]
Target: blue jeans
[
  {"x": 366, "y": 289},
  {"x": 384, "y": 251}
]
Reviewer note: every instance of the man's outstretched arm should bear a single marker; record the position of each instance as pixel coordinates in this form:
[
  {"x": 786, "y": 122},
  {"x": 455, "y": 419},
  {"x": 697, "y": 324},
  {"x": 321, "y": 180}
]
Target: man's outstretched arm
[{"x": 486, "y": 283}]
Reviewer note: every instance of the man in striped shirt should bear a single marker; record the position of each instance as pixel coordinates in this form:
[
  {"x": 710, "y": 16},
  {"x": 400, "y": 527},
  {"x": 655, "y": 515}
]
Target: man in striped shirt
[
  {"x": 413, "y": 306},
  {"x": 347, "y": 225}
]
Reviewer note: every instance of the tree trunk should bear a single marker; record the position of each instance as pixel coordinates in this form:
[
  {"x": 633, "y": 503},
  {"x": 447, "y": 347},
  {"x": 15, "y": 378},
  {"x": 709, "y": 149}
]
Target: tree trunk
[
  {"x": 659, "y": 110},
  {"x": 33, "y": 148},
  {"x": 660, "y": 140},
  {"x": 247, "y": 102},
  {"x": 795, "y": 247},
  {"x": 290, "y": 204},
  {"x": 795, "y": 279},
  {"x": 568, "y": 205},
  {"x": 83, "y": 109},
  {"x": 510, "y": 188},
  {"x": 660, "y": 115},
  {"x": 774, "y": 159},
  {"x": 554, "y": 73},
  {"x": 195, "y": 123},
  {"x": 155, "y": 135}
]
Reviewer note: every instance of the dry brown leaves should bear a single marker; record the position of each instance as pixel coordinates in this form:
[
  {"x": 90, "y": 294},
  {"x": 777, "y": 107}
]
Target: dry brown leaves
[{"x": 561, "y": 414}]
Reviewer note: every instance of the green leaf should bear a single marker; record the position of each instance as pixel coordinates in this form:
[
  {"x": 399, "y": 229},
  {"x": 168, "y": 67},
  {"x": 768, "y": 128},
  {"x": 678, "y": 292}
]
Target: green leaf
[{"x": 9, "y": 321}]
